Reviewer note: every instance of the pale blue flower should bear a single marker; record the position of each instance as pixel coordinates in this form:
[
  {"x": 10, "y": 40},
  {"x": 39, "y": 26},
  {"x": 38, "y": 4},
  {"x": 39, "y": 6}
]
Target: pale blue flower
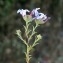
[
  {"x": 23, "y": 12},
  {"x": 36, "y": 15},
  {"x": 35, "y": 12},
  {"x": 41, "y": 16}
]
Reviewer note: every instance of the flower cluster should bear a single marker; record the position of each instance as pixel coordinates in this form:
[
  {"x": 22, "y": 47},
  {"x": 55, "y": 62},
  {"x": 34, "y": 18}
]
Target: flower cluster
[{"x": 34, "y": 14}]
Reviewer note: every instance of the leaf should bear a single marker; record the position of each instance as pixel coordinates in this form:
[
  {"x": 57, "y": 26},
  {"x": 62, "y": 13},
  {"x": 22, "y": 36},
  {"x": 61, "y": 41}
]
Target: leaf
[
  {"x": 39, "y": 36},
  {"x": 18, "y": 32}
]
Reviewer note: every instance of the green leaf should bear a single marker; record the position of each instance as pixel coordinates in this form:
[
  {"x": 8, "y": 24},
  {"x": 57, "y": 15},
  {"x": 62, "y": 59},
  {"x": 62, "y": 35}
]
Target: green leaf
[
  {"x": 39, "y": 36},
  {"x": 18, "y": 32}
]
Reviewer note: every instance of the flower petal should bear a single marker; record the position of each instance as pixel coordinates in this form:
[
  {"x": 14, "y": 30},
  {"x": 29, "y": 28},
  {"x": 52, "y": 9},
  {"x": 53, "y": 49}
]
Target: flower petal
[
  {"x": 41, "y": 16},
  {"x": 23, "y": 12},
  {"x": 35, "y": 12}
]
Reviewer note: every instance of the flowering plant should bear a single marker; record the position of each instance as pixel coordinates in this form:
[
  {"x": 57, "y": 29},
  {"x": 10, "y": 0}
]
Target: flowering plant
[{"x": 39, "y": 18}]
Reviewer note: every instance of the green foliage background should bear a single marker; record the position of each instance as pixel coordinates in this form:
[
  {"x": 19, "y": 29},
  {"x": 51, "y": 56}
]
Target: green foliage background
[{"x": 50, "y": 47}]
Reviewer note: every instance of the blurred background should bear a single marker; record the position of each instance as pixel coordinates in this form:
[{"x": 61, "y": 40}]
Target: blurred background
[{"x": 50, "y": 48}]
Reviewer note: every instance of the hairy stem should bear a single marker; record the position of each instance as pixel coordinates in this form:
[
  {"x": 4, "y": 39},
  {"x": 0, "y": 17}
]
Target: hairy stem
[
  {"x": 27, "y": 51},
  {"x": 29, "y": 47}
]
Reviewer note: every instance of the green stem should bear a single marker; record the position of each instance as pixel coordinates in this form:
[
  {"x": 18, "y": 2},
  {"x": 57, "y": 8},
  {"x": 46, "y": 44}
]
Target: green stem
[
  {"x": 33, "y": 32},
  {"x": 27, "y": 55},
  {"x": 29, "y": 38},
  {"x": 27, "y": 52}
]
